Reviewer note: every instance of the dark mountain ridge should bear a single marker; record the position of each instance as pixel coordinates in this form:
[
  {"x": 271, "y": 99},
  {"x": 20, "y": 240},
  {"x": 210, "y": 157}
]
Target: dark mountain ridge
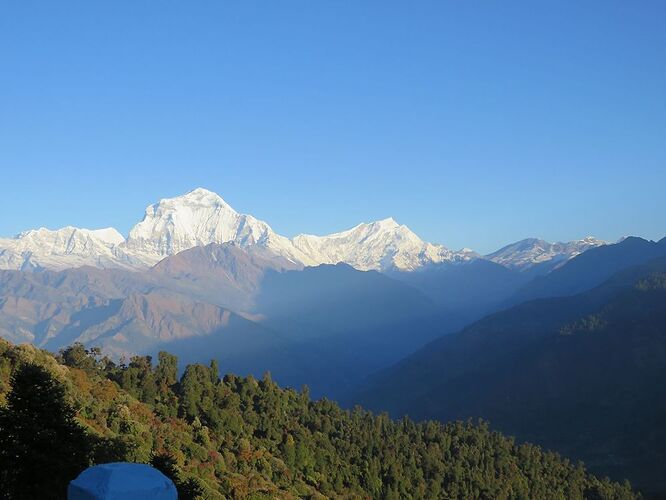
[
  {"x": 590, "y": 269},
  {"x": 581, "y": 374}
]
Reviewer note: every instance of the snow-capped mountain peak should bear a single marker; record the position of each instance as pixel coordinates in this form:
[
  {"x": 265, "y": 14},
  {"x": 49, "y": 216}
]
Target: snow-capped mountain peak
[
  {"x": 591, "y": 240},
  {"x": 61, "y": 248},
  {"x": 201, "y": 217},
  {"x": 380, "y": 245},
  {"x": 529, "y": 252},
  {"x": 199, "y": 197},
  {"x": 388, "y": 222},
  {"x": 171, "y": 225},
  {"x": 108, "y": 235}
]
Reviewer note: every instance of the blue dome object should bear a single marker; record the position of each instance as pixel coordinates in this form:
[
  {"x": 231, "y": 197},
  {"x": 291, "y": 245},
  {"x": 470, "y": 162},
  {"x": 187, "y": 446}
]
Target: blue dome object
[{"x": 121, "y": 480}]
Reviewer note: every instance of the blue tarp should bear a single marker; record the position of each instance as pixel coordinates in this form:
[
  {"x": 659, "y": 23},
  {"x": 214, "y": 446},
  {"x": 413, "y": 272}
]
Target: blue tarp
[{"x": 121, "y": 480}]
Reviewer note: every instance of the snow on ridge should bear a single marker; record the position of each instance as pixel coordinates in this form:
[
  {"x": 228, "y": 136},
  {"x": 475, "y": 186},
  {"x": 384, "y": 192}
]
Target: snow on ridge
[
  {"x": 109, "y": 235},
  {"x": 379, "y": 245},
  {"x": 61, "y": 249},
  {"x": 201, "y": 217},
  {"x": 529, "y": 252}
]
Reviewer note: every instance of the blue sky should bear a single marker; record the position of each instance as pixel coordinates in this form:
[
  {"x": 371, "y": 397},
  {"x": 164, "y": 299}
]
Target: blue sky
[{"x": 474, "y": 123}]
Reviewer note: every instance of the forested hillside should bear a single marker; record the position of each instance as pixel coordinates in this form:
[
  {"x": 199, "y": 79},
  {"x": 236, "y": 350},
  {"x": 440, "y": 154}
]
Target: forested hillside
[
  {"x": 583, "y": 375},
  {"x": 247, "y": 438}
]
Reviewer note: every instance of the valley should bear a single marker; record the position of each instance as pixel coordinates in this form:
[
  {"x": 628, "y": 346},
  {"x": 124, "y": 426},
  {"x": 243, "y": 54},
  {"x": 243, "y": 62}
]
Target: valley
[{"x": 529, "y": 338}]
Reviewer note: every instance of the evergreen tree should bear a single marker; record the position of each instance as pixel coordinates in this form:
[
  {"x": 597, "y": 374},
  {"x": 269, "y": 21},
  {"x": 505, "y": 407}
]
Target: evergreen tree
[
  {"x": 166, "y": 371},
  {"x": 77, "y": 356},
  {"x": 214, "y": 371},
  {"x": 42, "y": 447}
]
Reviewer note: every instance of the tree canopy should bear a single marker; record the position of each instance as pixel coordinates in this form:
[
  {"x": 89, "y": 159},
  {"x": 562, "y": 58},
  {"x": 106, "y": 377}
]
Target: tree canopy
[
  {"x": 42, "y": 446},
  {"x": 246, "y": 438}
]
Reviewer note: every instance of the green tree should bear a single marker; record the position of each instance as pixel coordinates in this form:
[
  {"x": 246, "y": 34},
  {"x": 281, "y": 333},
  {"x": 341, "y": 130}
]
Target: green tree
[
  {"x": 214, "y": 371},
  {"x": 42, "y": 447},
  {"x": 166, "y": 371},
  {"x": 77, "y": 356}
]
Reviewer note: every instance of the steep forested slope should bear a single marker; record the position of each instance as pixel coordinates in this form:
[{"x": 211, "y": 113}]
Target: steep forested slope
[
  {"x": 583, "y": 375},
  {"x": 247, "y": 438}
]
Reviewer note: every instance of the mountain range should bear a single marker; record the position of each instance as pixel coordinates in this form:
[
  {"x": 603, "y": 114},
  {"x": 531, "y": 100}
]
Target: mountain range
[
  {"x": 254, "y": 310},
  {"x": 198, "y": 277},
  {"x": 539, "y": 338},
  {"x": 201, "y": 217},
  {"x": 577, "y": 365}
]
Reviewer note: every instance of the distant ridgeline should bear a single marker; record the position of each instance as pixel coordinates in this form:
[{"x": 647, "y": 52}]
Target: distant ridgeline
[
  {"x": 582, "y": 374},
  {"x": 242, "y": 437}
]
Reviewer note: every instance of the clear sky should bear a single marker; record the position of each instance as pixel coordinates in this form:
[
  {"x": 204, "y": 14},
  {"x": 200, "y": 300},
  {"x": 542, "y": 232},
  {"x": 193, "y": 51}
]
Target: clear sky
[{"x": 474, "y": 123}]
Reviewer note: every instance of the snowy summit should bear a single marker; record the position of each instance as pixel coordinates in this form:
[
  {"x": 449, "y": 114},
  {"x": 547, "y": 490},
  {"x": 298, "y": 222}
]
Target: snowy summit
[{"x": 202, "y": 217}]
